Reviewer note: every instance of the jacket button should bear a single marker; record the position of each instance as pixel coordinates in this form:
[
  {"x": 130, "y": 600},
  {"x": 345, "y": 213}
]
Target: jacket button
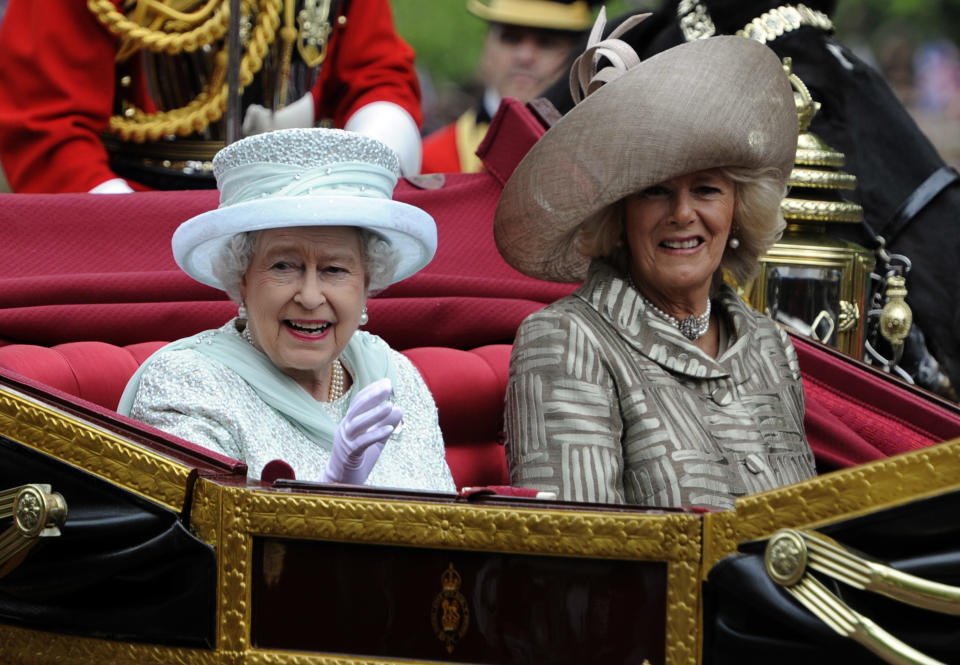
[
  {"x": 721, "y": 396},
  {"x": 755, "y": 463}
]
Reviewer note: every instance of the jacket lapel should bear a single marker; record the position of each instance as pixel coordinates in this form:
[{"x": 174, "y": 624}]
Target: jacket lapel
[{"x": 618, "y": 303}]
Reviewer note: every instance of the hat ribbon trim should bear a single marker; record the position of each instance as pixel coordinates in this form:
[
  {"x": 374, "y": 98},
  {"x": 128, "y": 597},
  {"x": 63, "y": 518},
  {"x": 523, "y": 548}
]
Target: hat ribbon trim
[{"x": 250, "y": 182}]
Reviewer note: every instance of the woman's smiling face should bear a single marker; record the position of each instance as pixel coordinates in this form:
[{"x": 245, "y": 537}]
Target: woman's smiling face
[
  {"x": 677, "y": 231},
  {"x": 304, "y": 291}
]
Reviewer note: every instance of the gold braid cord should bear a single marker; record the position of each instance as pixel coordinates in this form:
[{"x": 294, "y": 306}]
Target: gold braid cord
[
  {"x": 137, "y": 36},
  {"x": 210, "y": 104}
]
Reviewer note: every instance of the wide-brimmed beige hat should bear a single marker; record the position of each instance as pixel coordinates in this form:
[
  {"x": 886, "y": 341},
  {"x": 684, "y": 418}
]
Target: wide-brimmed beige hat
[{"x": 722, "y": 101}]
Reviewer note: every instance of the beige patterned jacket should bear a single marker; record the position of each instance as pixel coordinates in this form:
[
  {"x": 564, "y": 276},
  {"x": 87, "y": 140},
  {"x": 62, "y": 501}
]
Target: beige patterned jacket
[{"x": 607, "y": 402}]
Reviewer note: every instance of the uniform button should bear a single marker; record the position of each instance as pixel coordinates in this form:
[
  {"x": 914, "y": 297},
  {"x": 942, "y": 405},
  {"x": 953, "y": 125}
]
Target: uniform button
[{"x": 721, "y": 396}]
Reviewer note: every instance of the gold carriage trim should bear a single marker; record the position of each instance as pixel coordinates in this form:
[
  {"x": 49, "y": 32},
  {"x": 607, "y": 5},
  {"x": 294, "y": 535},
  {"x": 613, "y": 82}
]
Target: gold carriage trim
[
  {"x": 791, "y": 553},
  {"x": 37, "y": 512},
  {"x": 815, "y": 157},
  {"x": 811, "y": 149},
  {"x": 821, "y": 211},
  {"x": 845, "y": 494},
  {"x": 822, "y": 179},
  {"x": 95, "y": 450},
  {"x": 233, "y": 517}
]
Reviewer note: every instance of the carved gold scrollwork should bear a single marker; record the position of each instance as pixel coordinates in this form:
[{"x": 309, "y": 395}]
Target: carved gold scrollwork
[
  {"x": 791, "y": 552},
  {"x": 822, "y": 179},
  {"x": 849, "y": 316},
  {"x": 37, "y": 512},
  {"x": 821, "y": 211}
]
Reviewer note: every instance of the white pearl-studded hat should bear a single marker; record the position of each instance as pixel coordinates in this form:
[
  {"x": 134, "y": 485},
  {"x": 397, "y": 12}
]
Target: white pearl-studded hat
[{"x": 305, "y": 177}]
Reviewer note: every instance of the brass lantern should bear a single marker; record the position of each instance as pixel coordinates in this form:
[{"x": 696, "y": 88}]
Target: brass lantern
[{"x": 809, "y": 281}]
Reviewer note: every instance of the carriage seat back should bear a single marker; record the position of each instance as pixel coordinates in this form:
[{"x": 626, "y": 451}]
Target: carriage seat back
[
  {"x": 468, "y": 387},
  {"x": 852, "y": 415}
]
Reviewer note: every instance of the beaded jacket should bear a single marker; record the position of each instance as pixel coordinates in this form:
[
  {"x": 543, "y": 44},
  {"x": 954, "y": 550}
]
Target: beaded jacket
[{"x": 198, "y": 399}]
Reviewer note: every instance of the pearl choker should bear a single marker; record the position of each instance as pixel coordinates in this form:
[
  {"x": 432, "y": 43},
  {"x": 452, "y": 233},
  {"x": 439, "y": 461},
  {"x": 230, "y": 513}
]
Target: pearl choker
[
  {"x": 692, "y": 327},
  {"x": 336, "y": 381}
]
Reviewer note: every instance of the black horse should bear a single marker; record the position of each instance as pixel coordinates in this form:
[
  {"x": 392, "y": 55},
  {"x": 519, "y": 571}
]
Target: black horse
[{"x": 909, "y": 196}]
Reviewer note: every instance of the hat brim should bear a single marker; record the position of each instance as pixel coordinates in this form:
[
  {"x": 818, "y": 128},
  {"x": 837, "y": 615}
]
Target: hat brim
[
  {"x": 544, "y": 14},
  {"x": 411, "y": 231},
  {"x": 719, "y": 102}
]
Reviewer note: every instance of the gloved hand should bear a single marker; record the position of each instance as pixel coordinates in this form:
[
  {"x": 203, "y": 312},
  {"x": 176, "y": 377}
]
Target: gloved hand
[
  {"x": 362, "y": 433},
  {"x": 258, "y": 119}
]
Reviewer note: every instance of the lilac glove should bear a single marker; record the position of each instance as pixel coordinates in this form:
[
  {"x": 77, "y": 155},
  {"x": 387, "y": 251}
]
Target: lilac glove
[{"x": 362, "y": 433}]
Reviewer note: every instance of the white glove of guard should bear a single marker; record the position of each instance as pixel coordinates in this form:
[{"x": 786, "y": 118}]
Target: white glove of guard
[
  {"x": 258, "y": 119},
  {"x": 112, "y": 186},
  {"x": 393, "y": 125},
  {"x": 362, "y": 434}
]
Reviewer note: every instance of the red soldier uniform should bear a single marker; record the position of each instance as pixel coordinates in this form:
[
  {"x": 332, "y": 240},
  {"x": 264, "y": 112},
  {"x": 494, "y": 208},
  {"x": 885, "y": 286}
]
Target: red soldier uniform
[{"x": 57, "y": 89}]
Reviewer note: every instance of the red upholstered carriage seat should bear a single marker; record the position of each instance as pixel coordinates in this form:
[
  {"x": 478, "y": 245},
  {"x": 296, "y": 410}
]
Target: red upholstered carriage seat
[
  {"x": 853, "y": 415},
  {"x": 468, "y": 387}
]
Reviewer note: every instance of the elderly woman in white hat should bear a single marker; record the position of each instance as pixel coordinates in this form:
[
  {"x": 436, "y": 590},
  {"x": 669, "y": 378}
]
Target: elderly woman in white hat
[
  {"x": 306, "y": 228},
  {"x": 653, "y": 383}
]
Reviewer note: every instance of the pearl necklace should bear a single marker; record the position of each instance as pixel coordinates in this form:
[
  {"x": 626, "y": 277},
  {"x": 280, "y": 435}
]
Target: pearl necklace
[
  {"x": 247, "y": 335},
  {"x": 336, "y": 381},
  {"x": 692, "y": 327}
]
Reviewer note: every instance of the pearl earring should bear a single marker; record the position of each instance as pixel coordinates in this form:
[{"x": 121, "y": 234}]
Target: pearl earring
[
  {"x": 734, "y": 242},
  {"x": 364, "y": 317},
  {"x": 242, "y": 311}
]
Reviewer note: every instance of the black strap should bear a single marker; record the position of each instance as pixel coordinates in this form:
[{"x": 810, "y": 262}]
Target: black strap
[{"x": 918, "y": 199}]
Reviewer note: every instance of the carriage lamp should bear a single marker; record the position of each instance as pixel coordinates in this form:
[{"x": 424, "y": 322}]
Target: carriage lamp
[{"x": 809, "y": 281}]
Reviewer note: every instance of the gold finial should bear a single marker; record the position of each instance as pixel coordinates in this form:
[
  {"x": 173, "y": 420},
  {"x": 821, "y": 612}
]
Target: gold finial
[
  {"x": 896, "y": 316},
  {"x": 817, "y": 178},
  {"x": 806, "y": 106}
]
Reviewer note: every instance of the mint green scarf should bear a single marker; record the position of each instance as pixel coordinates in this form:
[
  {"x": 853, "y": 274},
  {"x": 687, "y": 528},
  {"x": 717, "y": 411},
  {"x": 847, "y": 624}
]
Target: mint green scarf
[{"x": 367, "y": 358}]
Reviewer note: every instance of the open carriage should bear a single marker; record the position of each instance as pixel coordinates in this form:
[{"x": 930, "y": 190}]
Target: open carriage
[{"x": 122, "y": 544}]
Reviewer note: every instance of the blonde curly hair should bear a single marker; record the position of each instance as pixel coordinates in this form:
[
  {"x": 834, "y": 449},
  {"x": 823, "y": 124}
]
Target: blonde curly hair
[{"x": 757, "y": 223}]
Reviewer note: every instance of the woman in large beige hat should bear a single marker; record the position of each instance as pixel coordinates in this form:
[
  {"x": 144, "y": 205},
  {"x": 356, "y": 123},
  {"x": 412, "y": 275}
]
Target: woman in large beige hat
[
  {"x": 306, "y": 228},
  {"x": 653, "y": 383}
]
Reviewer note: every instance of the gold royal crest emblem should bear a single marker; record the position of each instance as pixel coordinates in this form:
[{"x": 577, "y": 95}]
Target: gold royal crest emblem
[{"x": 450, "y": 614}]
